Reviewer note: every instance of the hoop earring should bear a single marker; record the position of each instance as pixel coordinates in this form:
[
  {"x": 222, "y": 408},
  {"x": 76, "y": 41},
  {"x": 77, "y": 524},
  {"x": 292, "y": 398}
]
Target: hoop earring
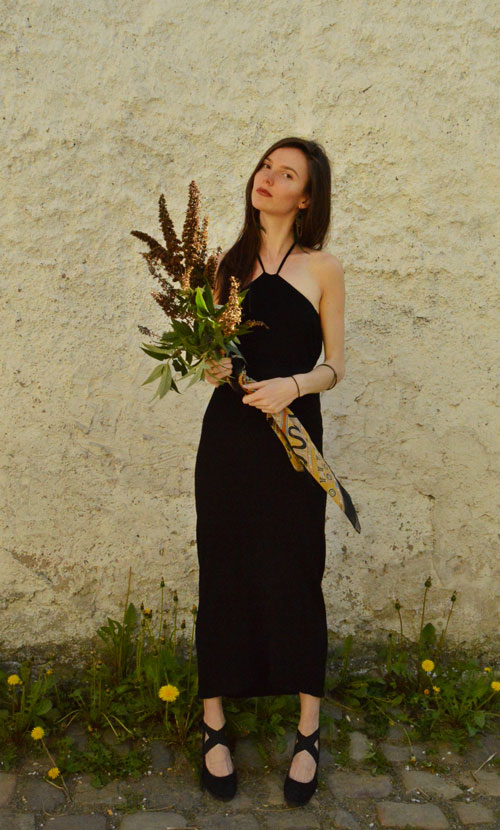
[{"x": 298, "y": 224}]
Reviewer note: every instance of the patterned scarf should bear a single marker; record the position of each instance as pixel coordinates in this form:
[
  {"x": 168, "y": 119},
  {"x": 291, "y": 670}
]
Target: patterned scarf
[{"x": 302, "y": 452}]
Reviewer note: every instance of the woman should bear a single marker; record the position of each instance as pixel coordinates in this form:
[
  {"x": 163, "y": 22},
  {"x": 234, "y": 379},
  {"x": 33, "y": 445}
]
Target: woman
[{"x": 261, "y": 625}]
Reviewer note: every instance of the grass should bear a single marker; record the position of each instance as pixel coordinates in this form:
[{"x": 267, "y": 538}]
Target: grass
[{"x": 139, "y": 684}]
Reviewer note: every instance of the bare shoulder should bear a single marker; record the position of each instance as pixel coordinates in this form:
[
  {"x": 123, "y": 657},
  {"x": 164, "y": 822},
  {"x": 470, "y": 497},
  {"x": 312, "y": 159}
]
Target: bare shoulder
[
  {"x": 327, "y": 266},
  {"x": 327, "y": 270}
]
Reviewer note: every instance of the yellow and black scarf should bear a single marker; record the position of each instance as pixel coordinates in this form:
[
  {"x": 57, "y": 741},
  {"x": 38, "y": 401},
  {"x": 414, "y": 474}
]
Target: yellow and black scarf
[{"x": 302, "y": 452}]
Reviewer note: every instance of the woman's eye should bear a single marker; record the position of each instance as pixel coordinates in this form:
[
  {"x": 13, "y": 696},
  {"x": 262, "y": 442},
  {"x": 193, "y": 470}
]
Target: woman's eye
[{"x": 266, "y": 164}]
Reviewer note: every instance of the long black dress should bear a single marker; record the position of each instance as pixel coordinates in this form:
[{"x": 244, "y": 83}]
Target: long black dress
[{"x": 261, "y": 626}]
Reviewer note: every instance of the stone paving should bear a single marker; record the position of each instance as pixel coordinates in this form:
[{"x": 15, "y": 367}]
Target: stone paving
[{"x": 455, "y": 792}]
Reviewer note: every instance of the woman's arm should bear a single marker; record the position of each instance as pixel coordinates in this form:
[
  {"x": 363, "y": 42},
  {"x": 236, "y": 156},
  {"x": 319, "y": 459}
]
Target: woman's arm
[{"x": 331, "y": 308}]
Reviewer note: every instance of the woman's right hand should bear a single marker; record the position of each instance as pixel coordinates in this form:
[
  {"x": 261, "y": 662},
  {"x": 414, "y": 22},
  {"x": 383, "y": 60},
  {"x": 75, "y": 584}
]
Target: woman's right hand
[{"x": 218, "y": 370}]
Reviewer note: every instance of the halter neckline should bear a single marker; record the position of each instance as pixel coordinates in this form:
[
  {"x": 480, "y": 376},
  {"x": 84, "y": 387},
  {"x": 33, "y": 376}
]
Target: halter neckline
[
  {"x": 280, "y": 280},
  {"x": 281, "y": 263}
]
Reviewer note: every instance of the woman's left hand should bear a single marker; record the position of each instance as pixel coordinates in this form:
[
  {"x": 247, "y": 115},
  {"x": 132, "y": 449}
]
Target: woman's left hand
[{"x": 272, "y": 395}]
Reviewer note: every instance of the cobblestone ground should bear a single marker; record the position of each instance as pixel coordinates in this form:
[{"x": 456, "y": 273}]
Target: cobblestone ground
[{"x": 464, "y": 793}]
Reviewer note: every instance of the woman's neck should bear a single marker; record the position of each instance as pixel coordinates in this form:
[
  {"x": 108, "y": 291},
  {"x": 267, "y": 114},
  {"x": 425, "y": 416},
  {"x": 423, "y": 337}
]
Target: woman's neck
[
  {"x": 273, "y": 249},
  {"x": 277, "y": 236}
]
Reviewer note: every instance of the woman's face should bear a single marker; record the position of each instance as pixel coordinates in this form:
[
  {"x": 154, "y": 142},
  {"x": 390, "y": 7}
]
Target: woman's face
[{"x": 284, "y": 175}]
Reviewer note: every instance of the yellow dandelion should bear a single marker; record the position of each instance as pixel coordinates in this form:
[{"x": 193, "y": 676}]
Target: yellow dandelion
[
  {"x": 427, "y": 665},
  {"x": 49, "y": 671},
  {"x": 53, "y": 772},
  {"x": 487, "y": 668},
  {"x": 426, "y": 692},
  {"x": 436, "y": 688},
  {"x": 495, "y": 685},
  {"x": 168, "y": 692},
  {"x": 14, "y": 680},
  {"x": 37, "y": 733}
]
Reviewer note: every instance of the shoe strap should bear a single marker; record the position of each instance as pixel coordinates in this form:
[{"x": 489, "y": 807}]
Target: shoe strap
[
  {"x": 307, "y": 742},
  {"x": 215, "y": 736}
]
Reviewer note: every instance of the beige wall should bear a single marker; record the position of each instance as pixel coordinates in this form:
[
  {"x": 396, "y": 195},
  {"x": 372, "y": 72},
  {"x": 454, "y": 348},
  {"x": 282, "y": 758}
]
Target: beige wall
[{"x": 107, "y": 105}]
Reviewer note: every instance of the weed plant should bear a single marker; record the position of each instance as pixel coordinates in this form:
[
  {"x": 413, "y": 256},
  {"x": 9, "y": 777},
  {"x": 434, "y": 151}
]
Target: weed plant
[{"x": 139, "y": 684}]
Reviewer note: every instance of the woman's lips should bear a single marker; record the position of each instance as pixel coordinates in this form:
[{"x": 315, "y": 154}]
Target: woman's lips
[{"x": 264, "y": 192}]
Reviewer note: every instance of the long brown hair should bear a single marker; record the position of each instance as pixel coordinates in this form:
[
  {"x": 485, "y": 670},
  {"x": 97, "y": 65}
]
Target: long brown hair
[{"x": 240, "y": 258}]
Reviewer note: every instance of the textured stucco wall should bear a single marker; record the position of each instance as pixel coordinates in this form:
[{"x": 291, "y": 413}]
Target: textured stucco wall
[{"x": 105, "y": 106}]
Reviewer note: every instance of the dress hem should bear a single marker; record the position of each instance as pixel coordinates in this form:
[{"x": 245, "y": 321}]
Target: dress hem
[{"x": 259, "y": 693}]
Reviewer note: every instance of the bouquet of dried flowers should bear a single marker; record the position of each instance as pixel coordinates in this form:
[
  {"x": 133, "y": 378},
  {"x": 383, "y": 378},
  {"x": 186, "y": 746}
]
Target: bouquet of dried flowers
[{"x": 201, "y": 329}]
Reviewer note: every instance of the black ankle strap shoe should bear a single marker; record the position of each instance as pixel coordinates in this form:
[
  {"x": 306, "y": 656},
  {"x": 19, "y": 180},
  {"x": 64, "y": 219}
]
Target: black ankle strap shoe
[
  {"x": 299, "y": 792},
  {"x": 222, "y": 787}
]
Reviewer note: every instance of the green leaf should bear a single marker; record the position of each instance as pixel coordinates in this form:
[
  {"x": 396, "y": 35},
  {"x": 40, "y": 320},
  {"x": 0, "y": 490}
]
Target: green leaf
[
  {"x": 168, "y": 337},
  {"x": 157, "y": 353},
  {"x": 130, "y": 616},
  {"x": 196, "y": 375},
  {"x": 154, "y": 374},
  {"x": 43, "y": 707},
  {"x": 166, "y": 382},
  {"x": 233, "y": 348},
  {"x": 182, "y": 328},
  {"x": 479, "y": 718},
  {"x": 428, "y": 636},
  {"x": 200, "y": 302},
  {"x": 209, "y": 299}
]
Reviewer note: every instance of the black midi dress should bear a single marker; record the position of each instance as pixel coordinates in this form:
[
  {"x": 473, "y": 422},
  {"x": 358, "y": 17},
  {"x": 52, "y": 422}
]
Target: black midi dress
[{"x": 261, "y": 625}]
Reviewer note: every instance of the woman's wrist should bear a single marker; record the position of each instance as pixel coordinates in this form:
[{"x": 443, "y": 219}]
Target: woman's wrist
[
  {"x": 319, "y": 379},
  {"x": 296, "y": 385}
]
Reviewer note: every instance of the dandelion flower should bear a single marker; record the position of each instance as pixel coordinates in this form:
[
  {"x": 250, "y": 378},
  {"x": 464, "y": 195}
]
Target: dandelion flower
[
  {"x": 495, "y": 685},
  {"x": 487, "y": 668},
  {"x": 426, "y": 692},
  {"x": 168, "y": 692},
  {"x": 427, "y": 665},
  {"x": 37, "y": 733},
  {"x": 436, "y": 688},
  {"x": 14, "y": 680},
  {"x": 53, "y": 772}
]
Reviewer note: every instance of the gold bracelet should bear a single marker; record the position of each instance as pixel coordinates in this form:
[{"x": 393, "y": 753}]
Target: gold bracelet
[{"x": 334, "y": 372}]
